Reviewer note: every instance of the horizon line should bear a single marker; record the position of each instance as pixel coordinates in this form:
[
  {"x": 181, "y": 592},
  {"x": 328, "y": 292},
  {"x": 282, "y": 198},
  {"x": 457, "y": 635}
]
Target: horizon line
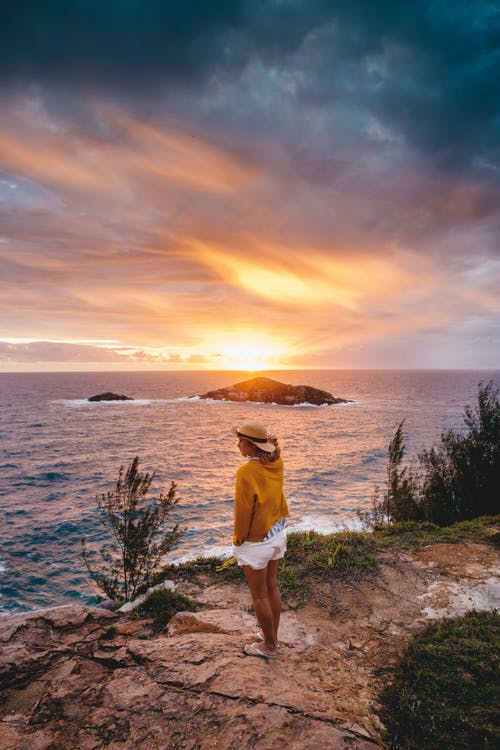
[{"x": 254, "y": 372}]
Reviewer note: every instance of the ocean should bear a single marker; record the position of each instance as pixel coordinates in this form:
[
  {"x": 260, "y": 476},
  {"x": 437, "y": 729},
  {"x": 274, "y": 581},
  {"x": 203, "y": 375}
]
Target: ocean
[{"x": 58, "y": 452}]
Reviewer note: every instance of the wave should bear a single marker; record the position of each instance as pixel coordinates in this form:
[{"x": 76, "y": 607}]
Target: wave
[
  {"x": 43, "y": 479},
  {"x": 51, "y": 476},
  {"x": 78, "y": 402},
  {"x": 325, "y": 525},
  {"x": 200, "y": 400},
  {"x": 222, "y": 551},
  {"x": 304, "y": 404}
]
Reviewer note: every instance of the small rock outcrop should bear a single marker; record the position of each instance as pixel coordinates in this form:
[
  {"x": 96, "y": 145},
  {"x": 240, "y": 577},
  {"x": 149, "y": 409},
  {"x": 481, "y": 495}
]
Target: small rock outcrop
[
  {"x": 109, "y": 396},
  {"x": 268, "y": 391}
]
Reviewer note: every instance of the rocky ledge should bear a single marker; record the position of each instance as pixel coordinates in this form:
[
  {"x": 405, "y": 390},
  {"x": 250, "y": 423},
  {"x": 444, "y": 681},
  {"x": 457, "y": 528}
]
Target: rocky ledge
[
  {"x": 84, "y": 678},
  {"x": 266, "y": 390},
  {"x": 109, "y": 396}
]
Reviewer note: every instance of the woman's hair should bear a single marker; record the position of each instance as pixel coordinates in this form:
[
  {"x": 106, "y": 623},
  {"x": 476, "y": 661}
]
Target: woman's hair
[{"x": 265, "y": 457}]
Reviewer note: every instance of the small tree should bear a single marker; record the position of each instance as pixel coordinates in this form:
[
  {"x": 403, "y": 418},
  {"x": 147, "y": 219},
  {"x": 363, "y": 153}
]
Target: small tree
[
  {"x": 398, "y": 502},
  {"x": 462, "y": 474},
  {"x": 126, "y": 565},
  {"x": 457, "y": 480}
]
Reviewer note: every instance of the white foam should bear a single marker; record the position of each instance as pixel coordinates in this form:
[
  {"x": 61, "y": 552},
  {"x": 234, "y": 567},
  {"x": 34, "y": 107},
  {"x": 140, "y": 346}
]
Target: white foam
[
  {"x": 307, "y": 405},
  {"x": 304, "y": 404},
  {"x": 199, "y": 400},
  {"x": 325, "y": 525},
  {"x": 79, "y": 402},
  {"x": 222, "y": 551}
]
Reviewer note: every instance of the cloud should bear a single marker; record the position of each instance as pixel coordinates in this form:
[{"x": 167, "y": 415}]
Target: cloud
[
  {"x": 42, "y": 352},
  {"x": 177, "y": 173},
  {"x": 114, "y": 42},
  {"x": 147, "y": 247},
  {"x": 425, "y": 72},
  {"x": 50, "y": 351}
]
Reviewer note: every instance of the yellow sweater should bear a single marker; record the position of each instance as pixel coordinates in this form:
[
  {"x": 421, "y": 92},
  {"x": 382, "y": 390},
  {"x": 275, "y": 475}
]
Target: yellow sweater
[{"x": 264, "y": 484}]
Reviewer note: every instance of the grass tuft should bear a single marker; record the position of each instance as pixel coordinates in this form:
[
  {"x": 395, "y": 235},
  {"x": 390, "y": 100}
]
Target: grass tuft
[
  {"x": 413, "y": 535},
  {"x": 324, "y": 555},
  {"x": 162, "y": 605},
  {"x": 446, "y": 694}
]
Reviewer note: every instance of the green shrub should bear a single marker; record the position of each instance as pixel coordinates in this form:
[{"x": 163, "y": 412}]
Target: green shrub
[
  {"x": 446, "y": 694},
  {"x": 398, "y": 501},
  {"x": 311, "y": 554},
  {"x": 288, "y": 581},
  {"x": 215, "y": 568},
  {"x": 125, "y": 567},
  {"x": 413, "y": 535},
  {"x": 161, "y": 605},
  {"x": 461, "y": 476},
  {"x": 459, "y": 479}
]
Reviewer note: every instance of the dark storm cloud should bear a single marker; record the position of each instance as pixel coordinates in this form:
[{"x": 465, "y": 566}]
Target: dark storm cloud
[
  {"x": 110, "y": 41},
  {"x": 427, "y": 70},
  {"x": 128, "y": 42}
]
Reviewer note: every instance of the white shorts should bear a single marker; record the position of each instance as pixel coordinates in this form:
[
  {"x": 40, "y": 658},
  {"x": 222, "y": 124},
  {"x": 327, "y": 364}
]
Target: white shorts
[{"x": 258, "y": 554}]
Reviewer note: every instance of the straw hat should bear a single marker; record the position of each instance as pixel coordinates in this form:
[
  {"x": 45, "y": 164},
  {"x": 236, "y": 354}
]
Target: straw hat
[{"x": 256, "y": 433}]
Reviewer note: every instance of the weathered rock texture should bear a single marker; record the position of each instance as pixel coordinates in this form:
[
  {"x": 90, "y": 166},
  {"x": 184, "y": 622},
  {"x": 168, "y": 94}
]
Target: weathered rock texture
[
  {"x": 265, "y": 390},
  {"x": 109, "y": 396},
  {"x": 85, "y": 679}
]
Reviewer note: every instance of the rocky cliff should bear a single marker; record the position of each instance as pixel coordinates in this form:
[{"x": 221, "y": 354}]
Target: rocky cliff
[{"x": 84, "y": 678}]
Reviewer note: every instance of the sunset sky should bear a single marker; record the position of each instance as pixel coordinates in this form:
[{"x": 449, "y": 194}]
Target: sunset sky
[{"x": 249, "y": 183}]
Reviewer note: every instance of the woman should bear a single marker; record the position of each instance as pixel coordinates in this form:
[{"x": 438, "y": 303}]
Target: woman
[{"x": 259, "y": 539}]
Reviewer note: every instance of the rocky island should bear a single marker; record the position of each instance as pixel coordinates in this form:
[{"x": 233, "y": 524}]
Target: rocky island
[
  {"x": 268, "y": 391},
  {"x": 109, "y": 396}
]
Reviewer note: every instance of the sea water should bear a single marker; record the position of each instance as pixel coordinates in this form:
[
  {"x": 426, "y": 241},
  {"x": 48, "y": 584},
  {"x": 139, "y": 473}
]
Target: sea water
[{"x": 58, "y": 452}]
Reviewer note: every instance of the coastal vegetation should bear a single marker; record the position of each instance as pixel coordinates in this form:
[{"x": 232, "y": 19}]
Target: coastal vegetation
[
  {"x": 161, "y": 605},
  {"x": 454, "y": 481},
  {"x": 125, "y": 566},
  {"x": 445, "y": 693},
  {"x": 313, "y": 558}
]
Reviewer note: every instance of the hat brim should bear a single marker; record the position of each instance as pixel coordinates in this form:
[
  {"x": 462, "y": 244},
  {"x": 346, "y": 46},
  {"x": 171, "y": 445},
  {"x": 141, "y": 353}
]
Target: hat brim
[{"x": 267, "y": 447}]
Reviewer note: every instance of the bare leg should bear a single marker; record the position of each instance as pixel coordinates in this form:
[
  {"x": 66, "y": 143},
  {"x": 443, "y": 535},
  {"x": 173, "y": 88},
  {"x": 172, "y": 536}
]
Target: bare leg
[
  {"x": 257, "y": 583},
  {"x": 273, "y": 594}
]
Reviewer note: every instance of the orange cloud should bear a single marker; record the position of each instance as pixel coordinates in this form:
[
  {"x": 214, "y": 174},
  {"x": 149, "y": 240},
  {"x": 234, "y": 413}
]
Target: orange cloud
[
  {"x": 177, "y": 247},
  {"x": 137, "y": 153}
]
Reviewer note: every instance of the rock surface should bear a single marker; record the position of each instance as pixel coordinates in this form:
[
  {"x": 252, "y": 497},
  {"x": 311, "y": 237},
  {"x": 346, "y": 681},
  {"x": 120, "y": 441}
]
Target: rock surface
[
  {"x": 266, "y": 390},
  {"x": 109, "y": 396},
  {"x": 84, "y": 678}
]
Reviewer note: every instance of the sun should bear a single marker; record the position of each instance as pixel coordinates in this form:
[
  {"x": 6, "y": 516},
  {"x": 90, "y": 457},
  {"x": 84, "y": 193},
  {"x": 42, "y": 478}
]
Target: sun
[{"x": 250, "y": 356}]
